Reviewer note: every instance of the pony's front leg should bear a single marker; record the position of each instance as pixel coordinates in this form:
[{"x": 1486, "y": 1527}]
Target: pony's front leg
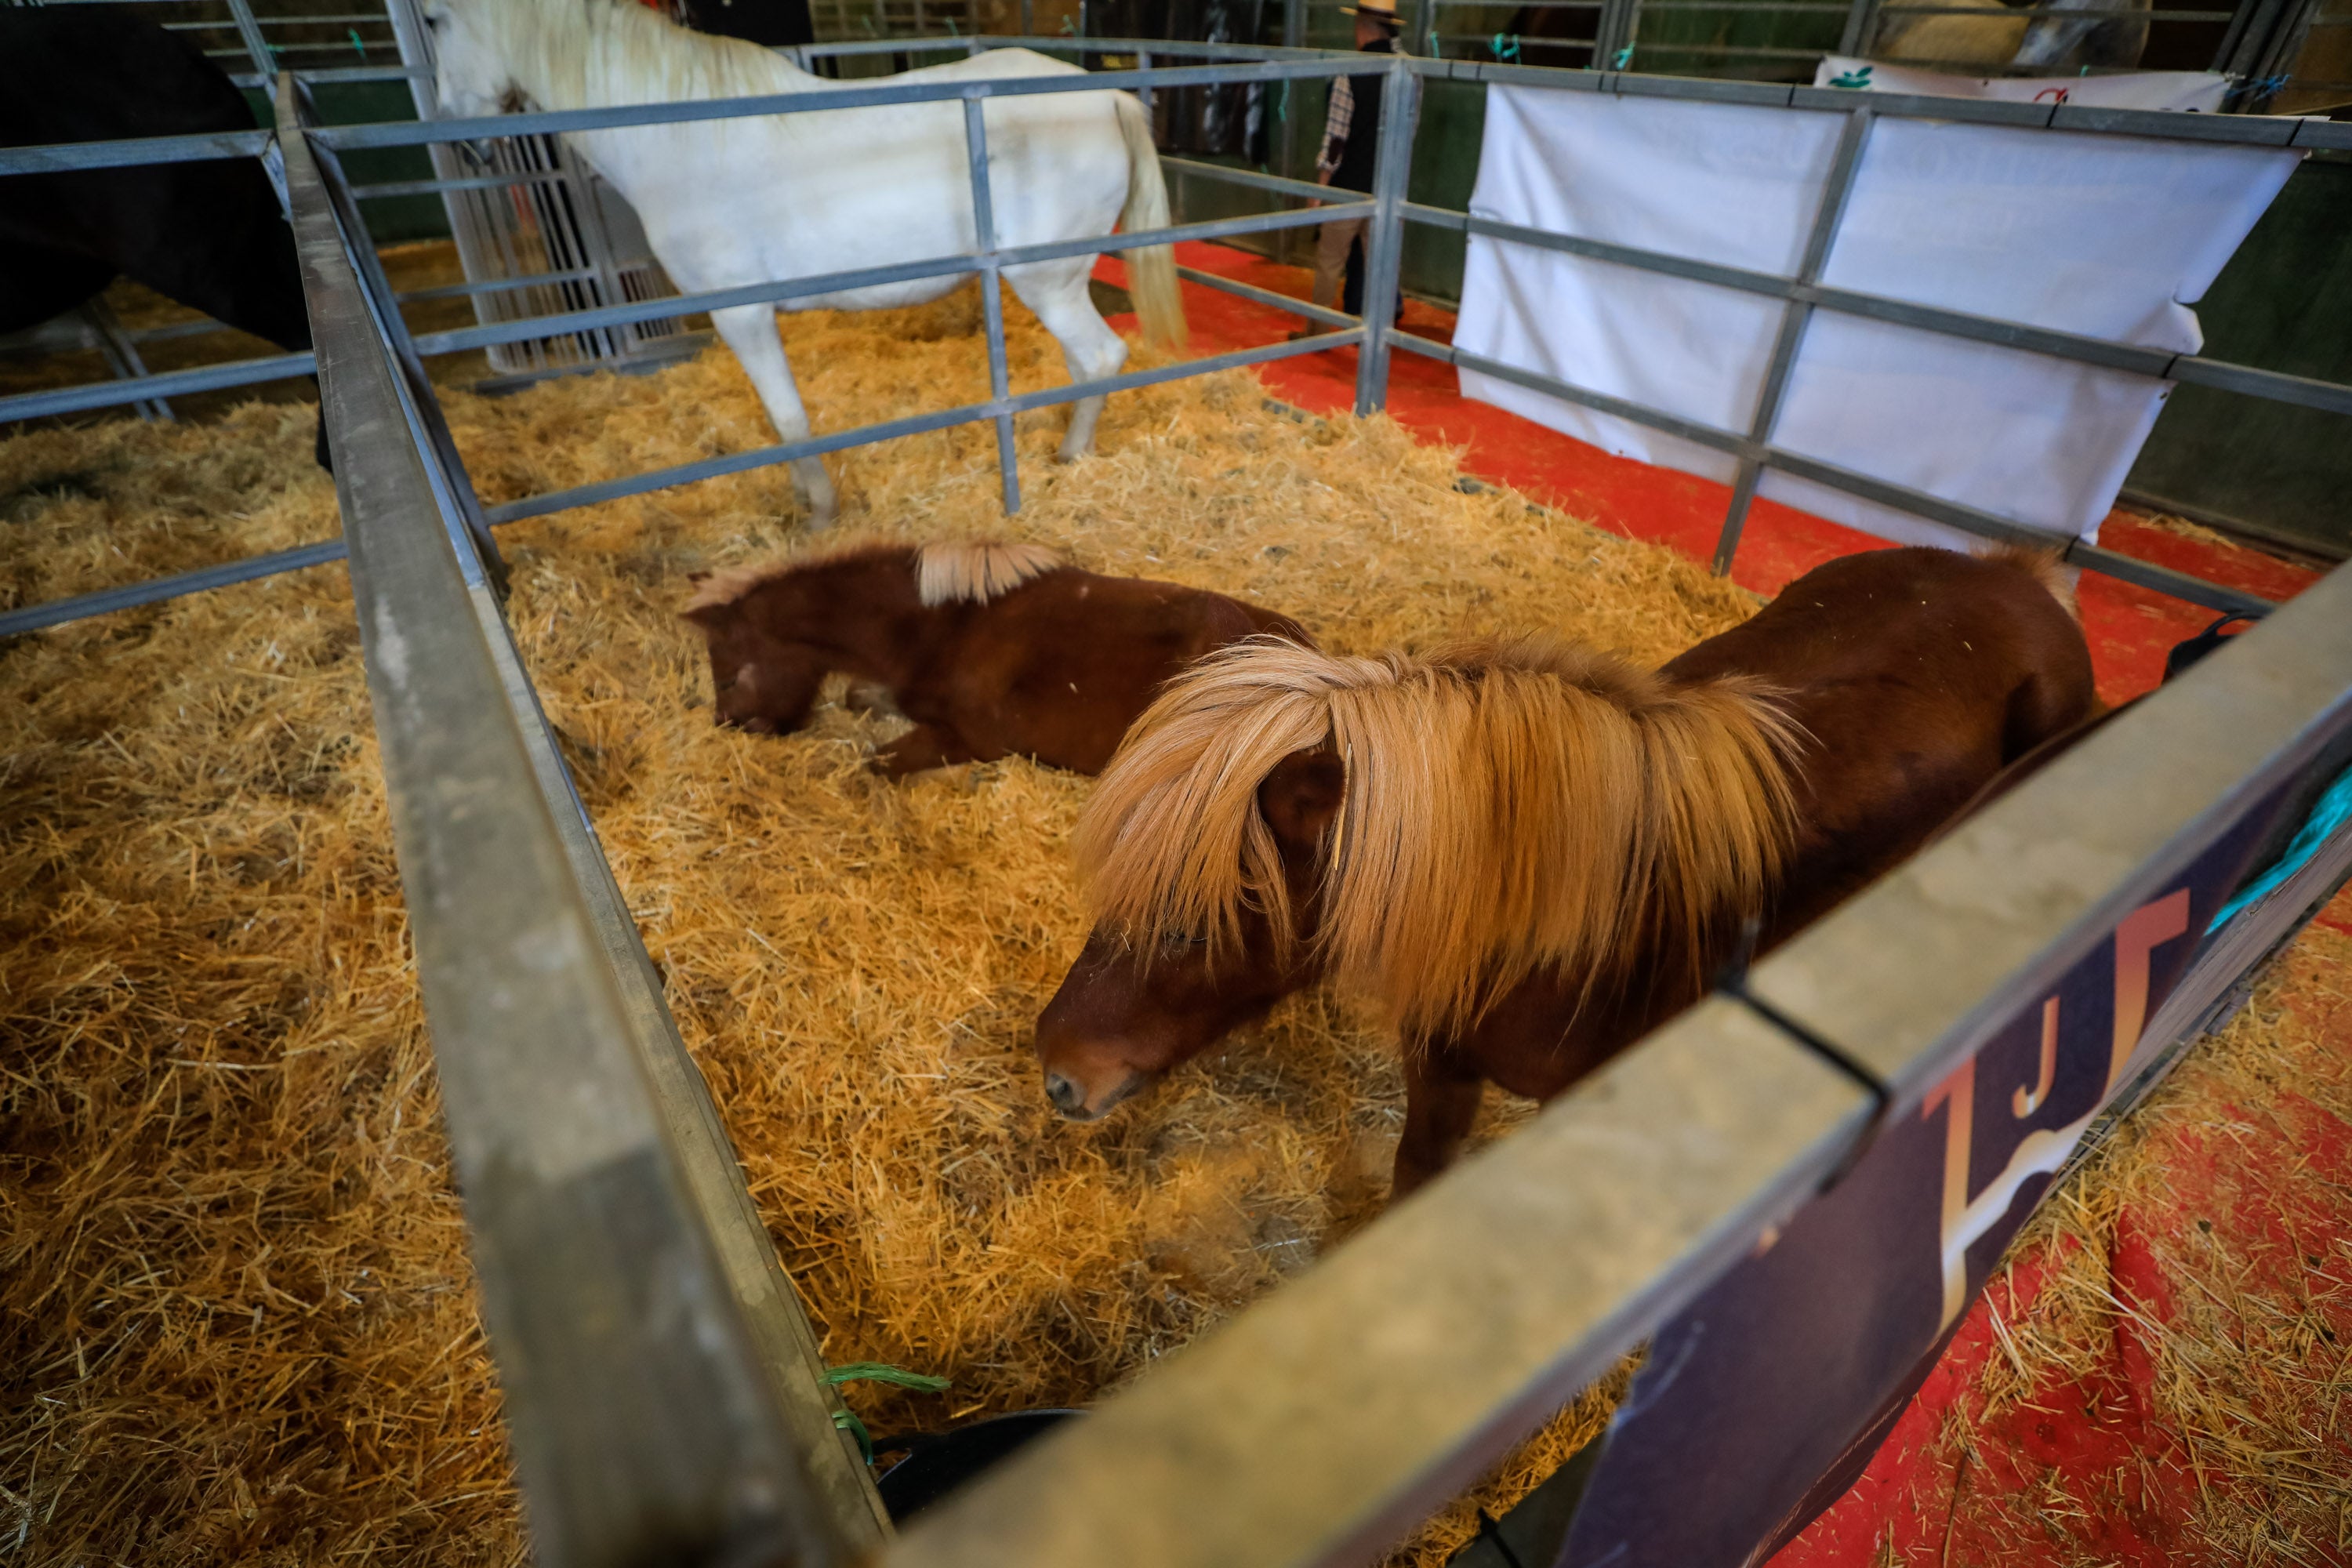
[
  {"x": 1441, "y": 1101},
  {"x": 1056, "y": 292},
  {"x": 751, "y": 332}
]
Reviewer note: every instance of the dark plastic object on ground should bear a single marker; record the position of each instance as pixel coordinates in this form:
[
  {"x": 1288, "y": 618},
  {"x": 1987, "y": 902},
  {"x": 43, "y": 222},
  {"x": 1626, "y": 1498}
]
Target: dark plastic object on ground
[{"x": 938, "y": 1463}]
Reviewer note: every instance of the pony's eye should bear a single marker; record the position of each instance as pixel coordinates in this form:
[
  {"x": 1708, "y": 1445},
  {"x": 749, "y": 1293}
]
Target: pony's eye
[{"x": 1177, "y": 943}]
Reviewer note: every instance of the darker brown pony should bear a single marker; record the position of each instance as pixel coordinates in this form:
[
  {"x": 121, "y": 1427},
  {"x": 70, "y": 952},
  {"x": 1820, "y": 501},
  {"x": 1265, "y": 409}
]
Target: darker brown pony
[
  {"x": 1606, "y": 830},
  {"x": 991, "y": 649}
]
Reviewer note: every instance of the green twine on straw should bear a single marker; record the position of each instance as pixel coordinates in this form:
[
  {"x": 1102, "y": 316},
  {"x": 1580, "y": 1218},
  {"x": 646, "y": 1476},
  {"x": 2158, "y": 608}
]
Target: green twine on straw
[
  {"x": 882, "y": 1371},
  {"x": 876, "y": 1372}
]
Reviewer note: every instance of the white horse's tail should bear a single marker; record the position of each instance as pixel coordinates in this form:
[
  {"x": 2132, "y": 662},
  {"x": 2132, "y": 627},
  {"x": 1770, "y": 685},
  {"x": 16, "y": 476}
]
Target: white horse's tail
[{"x": 1150, "y": 271}]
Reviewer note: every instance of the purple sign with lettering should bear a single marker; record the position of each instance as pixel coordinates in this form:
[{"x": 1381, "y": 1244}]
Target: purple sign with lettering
[{"x": 1764, "y": 1400}]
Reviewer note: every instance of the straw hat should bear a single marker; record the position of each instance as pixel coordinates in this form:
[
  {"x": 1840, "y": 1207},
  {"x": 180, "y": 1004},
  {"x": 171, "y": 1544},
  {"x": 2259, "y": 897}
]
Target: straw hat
[{"x": 1380, "y": 10}]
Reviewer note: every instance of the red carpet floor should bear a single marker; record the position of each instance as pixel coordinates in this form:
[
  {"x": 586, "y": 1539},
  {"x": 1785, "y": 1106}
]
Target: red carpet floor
[{"x": 2084, "y": 1469}]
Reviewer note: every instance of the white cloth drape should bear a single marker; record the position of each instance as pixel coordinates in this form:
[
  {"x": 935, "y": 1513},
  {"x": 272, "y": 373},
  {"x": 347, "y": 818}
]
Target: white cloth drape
[{"x": 2107, "y": 235}]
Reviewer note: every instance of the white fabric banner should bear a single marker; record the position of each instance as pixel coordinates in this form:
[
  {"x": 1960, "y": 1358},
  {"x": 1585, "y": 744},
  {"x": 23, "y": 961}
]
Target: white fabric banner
[
  {"x": 2107, "y": 235},
  {"x": 2195, "y": 92}
]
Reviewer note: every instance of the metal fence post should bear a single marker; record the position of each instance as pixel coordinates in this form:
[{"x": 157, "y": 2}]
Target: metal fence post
[
  {"x": 394, "y": 328},
  {"x": 1612, "y": 39},
  {"x": 644, "y": 1424},
  {"x": 1384, "y": 236},
  {"x": 991, "y": 296},
  {"x": 1861, "y": 34},
  {"x": 1794, "y": 315},
  {"x": 249, "y": 32}
]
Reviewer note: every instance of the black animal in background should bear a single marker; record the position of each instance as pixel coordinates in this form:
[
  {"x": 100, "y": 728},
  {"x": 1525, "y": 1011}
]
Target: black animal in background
[{"x": 209, "y": 234}]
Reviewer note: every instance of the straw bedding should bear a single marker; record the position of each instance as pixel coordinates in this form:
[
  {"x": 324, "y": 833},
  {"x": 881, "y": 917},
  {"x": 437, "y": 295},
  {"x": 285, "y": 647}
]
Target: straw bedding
[{"x": 237, "y": 1314}]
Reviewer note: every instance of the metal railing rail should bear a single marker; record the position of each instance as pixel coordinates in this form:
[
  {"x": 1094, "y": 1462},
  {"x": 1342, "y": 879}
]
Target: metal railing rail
[
  {"x": 1421, "y": 1349},
  {"x": 1387, "y": 206},
  {"x": 986, "y": 261},
  {"x": 661, "y": 1387},
  {"x": 664, "y": 1394},
  {"x": 124, "y": 152},
  {"x": 1803, "y": 293}
]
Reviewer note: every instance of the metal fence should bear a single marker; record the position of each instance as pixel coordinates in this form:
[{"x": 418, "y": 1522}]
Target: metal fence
[
  {"x": 2270, "y": 47},
  {"x": 660, "y": 1383}
]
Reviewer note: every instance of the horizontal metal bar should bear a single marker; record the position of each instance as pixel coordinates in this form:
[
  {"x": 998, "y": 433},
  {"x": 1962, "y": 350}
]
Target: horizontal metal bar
[
  {"x": 2164, "y": 580},
  {"x": 643, "y": 1419},
  {"x": 496, "y": 286},
  {"x": 1731, "y": 51},
  {"x": 735, "y": 463},
  {"x": 1176, "y": 48},
  {"x": 81, "y": 606},
  {"x": 2272, "y": 385},
  {"x": 460, "y": 339},
  {"x": 2017, "y": 895},
  {"x": 278, "y": 51},
  {"x": 912, "y": 424},
  {"x": 170, "y": 383},
  {"x": 2074, "y": 347},
  {"x": 1918, "y": 503},
  {"x": 1250, "y": 177},
  {"x": 415, "y": 133},
  {"x": 1415, "y": 1353},
  {"x": 132, "y": 151},
  {"x": 310, "y": 76},
  {"x": 2027, "y": 12},
  {"x": 1285, "y": 302},
  {"x": 1484, "y": 39},
  {"x": 1600, "y": 402},
  {"x": 2250, "y": 130},
  {"x": 2008, "y": 530},
  {"x": 385, "y": 189}
]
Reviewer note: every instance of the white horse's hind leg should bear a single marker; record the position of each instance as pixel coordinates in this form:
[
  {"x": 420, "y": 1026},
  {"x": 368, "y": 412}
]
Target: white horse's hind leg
[
  {"x": 751, "y": 332},
  {"x": 1056, "y": 291}
]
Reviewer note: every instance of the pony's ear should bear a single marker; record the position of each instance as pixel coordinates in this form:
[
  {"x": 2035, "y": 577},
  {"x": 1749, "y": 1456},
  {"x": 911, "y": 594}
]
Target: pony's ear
[{"x": 1301, "y": 795}]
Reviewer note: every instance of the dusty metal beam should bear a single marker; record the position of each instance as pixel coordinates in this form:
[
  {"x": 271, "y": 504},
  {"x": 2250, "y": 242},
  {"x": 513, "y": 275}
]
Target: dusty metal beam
[
  {"x": 1323, "y": 1423},
  {"x": 646, "y": 1421},
  {"x": 2017, "y": 894}
]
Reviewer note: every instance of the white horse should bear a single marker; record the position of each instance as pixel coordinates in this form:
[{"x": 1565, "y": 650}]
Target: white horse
[
  {"x": 2002, "y": 35},
  {"x": 733, "y": 202}
]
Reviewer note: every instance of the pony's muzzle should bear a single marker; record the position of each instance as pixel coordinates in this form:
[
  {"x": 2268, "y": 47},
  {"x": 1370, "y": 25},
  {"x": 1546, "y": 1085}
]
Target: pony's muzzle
[{"x": 1070, "y": 1097}]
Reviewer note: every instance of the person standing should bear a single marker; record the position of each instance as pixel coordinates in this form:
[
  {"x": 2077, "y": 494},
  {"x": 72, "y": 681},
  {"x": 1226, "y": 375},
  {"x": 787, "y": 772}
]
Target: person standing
[{"x": 1351, "y": 139}]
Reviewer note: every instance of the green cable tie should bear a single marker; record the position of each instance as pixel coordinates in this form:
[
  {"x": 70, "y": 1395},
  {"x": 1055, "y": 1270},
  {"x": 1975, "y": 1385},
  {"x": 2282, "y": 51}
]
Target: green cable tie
[
  {"x": 883, "y": 1372},
  {"x": 876, "y": 1372},
  {"x": 847, "y": 1421}
]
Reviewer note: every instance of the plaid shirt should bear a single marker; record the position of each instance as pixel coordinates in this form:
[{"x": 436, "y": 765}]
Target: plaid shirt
[{"x": 1337, "y": 124}]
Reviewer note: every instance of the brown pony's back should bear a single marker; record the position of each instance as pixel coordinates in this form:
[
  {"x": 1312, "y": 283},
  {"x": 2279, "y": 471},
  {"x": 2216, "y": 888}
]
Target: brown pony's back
[{"x": 1920, "y": 673}]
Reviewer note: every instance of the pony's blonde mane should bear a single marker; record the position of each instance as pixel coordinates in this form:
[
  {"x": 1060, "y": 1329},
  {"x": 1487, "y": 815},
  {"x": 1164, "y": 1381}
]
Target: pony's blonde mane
[
  {"x": 978, "y": 570},
  {"x": 1508, "y": 808},
  {"x": 975, "y": 569},
  {"x": 577, "y": 54}
]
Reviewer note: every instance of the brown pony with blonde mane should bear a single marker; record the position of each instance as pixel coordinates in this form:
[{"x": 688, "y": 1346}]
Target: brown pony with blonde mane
[
  {"x": 1529, "y": 852},
  {"x": 1603, "y": 812}
]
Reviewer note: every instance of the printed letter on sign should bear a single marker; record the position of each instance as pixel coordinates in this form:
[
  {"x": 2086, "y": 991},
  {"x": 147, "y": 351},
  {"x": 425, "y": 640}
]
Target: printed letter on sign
[{"x": 1965, "y": 1220}]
